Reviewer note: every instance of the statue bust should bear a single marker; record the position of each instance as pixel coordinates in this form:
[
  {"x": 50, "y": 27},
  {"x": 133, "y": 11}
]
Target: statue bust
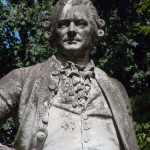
[{"x": 66, "y": 102}]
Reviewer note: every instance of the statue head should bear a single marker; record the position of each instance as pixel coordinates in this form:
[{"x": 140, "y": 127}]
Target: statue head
[{"x": 74, "y": 19}]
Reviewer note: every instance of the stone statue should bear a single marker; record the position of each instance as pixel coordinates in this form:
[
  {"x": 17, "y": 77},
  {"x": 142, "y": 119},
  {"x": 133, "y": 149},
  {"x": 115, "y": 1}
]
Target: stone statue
[{"x": 66, "y": 103}]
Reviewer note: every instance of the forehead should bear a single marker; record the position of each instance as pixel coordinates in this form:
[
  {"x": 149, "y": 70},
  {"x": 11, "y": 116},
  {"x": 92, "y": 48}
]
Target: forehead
[{"x": 74, "y": 12}]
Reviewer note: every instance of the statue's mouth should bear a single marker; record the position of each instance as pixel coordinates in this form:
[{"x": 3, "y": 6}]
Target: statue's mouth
[{"x": 71, "y": 40}]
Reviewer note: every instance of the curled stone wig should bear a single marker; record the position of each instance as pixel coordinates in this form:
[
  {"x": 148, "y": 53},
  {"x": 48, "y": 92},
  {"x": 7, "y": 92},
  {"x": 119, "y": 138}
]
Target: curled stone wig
[{"x": 51, "y": 24}]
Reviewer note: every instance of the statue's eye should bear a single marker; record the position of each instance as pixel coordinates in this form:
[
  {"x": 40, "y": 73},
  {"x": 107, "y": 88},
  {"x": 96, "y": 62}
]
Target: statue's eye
[
  {"x": 81, "y": 23},
  {"x": 63, "y": 23}
]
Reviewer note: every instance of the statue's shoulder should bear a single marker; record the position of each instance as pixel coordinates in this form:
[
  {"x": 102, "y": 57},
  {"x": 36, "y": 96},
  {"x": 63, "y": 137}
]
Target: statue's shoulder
[
  {"x": 35, "y": 70},
  {"x": 23, "y": 73},
  {"x": 102, "y": 75},
  {"x": 28, "y": 70},
  {"x": 31, "y": 71}
]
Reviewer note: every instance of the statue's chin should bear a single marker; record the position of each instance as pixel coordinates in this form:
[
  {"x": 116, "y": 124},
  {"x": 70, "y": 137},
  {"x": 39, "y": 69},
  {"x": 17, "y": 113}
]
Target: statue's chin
[{"x": 73, "y": 49}]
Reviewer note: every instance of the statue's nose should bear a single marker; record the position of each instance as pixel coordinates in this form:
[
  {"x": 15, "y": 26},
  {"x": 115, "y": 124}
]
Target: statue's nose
[{"x": 72, "y": 29}]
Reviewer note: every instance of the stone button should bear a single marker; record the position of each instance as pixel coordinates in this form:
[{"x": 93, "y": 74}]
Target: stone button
[
  {"x": 74, "y": 105},
  {"x": 71, "y": 93},
  {"x": 41, "y": 136},
  {"x": 55, "y": 72},
  {"x": 45, "y": 119},
  {"x": 86, "y": 127},
  {"x": 85, "y": 117},
  {"x": 52, "y": 87},
  {"x": 87, "y": 88},
  {"x": 45, "y": 104},
  {"x": 86, "y": 139}
]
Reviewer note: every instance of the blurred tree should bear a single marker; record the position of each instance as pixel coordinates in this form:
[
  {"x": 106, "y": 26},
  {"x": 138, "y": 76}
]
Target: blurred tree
[{"x": 22, "y": 41}]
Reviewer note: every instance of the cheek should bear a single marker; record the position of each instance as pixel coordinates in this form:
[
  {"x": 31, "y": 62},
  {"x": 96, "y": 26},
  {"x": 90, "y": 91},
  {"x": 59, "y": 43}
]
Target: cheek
[
  {"x": 86, "y": 35},
  {"x": 60, "y": 34}
]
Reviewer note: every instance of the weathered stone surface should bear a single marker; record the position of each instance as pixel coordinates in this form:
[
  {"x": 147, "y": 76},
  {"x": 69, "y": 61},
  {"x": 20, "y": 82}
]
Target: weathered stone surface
[{"x": 66, "y": 102}]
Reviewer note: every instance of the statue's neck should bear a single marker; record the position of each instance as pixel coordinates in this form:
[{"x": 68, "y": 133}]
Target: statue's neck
[{"x": 80, "y": 60}]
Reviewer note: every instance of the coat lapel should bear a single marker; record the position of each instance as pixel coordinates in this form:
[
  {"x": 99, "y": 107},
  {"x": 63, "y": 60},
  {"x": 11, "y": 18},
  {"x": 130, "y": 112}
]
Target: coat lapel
[
  {"x": 43, "y": 94},
  {"x": 118, "y": 108},
  {"x": 35, "y": 109}
]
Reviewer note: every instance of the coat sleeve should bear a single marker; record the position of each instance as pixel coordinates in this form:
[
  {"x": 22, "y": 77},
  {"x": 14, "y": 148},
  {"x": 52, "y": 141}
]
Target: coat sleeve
[
  {"x": 128, "y": 106},
  {"x": 3, "y": 147},
  {"x": 10, "y": 89},
  {"x": 125, "y": 97}
]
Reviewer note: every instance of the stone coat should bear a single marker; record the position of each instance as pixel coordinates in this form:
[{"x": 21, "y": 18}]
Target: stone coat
[{"x": 25, "y": 93}]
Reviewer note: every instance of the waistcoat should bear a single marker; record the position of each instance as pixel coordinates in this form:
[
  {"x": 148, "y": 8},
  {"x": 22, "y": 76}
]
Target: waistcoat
[{"x": 79, "y": 116}]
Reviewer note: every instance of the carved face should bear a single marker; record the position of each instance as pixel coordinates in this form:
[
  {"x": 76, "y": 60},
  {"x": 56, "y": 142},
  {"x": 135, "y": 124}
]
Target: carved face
[{"x": 74, "y": 30}]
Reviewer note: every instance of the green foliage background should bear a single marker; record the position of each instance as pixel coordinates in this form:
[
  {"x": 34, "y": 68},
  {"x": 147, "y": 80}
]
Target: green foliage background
[{"x": 124, "y": 52}]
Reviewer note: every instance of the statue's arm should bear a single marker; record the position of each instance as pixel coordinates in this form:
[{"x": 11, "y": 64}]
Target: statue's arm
[
  {"x": 128, "y": 106},
  {"x": 125, "y": 97},
  {"x": 3, "y": 147},
  {"x": 10, "y": 89}
]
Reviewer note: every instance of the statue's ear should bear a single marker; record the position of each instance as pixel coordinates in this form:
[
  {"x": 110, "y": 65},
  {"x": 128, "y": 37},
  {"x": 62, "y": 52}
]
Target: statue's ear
[
  {"x": 47, "y": 35},
  {"x": 97, "y": 35},
  {"x": 100, "y": 33}
]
